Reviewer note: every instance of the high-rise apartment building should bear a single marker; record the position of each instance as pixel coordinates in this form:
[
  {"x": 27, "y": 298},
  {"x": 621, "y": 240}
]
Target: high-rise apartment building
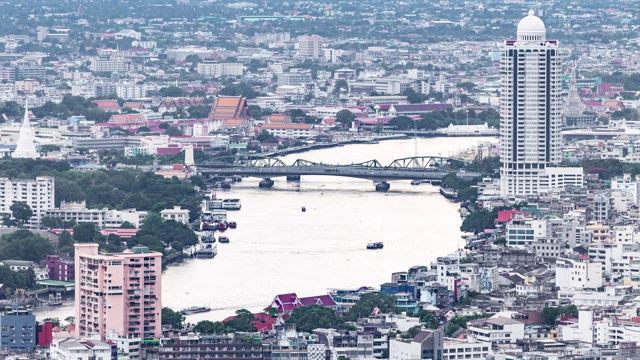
[
  {"x": 310, "y": 47},
  {"x": 531, "y": 114},
  {"x": 38, "y": 194},
  {"x": 118, "y": 293}
]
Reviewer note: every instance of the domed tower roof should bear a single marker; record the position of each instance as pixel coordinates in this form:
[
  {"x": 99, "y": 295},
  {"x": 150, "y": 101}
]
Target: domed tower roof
[{"x": 531, "y": 28}]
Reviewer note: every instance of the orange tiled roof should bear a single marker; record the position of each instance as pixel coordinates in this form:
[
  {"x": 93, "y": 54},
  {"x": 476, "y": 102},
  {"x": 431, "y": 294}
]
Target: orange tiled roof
[
  {"x": 126, "y": 119},
  {"x": 107, "y": 105},
  {"x": 228, "y": 107},
  {"x": 278, "y": 118},
  {"x": 289, "y": 126}
]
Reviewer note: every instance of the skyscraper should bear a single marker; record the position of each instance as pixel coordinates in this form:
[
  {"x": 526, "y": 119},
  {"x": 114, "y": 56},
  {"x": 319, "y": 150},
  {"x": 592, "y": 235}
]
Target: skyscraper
[
  {"x": 118, "y": 293},
  {"x": 531, "y": 114}
]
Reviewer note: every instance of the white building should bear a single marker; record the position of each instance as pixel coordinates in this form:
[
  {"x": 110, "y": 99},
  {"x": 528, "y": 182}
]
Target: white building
[
  {"x": 594, "y": 299},
  {"x": 217, "y": 69},
  {"x": 76, "y": 349},
  {"x": 522, "y": 232},
  {"x": 499, "y": 330},
  {"x": 38, "y": 194},
  {"x": 626, "y": 184},
  {"x": 448, "y": 269},
  {"x": 580, "y": 331},
  {"x": 578, "y": 274},
  {"x": 291, "y": 131},
  {"x": 531, "y": 114},
  {"x": 176, "y": 214},
  {"x": 430, "y": 344},
  {"x": 548, "y": 247},
  {"x": 131, "y": 91},
  {"x": 102, "y": 218},
  {"x": 310, "y": 47}
]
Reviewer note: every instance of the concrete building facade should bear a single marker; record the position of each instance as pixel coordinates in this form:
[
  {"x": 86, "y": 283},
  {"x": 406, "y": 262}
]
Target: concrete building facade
[
  {"x": 531, "y": 114},
  {"x": 38, "y": 194},
  {"x": 118, "y": 293}
]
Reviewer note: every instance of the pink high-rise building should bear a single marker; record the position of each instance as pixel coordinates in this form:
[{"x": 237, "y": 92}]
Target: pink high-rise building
[{"x": 119, "y": 292}]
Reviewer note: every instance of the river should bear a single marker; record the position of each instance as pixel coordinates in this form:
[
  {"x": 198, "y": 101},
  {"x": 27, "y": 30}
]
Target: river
[{"x": 277, "y": 248}]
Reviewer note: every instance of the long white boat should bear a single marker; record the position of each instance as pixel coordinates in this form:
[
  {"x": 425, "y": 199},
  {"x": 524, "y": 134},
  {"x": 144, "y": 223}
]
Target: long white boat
[{"x": 231, "y": 204}]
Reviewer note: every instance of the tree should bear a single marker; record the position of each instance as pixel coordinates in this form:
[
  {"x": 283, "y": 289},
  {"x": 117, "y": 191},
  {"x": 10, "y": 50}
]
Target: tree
[
  {"x": 264, "y": 135},
  {"x": 478, "y": 221},
  {"x": 340, "y": 85},
  {"x": 242, "y": 322},
  {"x": 369, "y": 301},
  {"x": 171, "y": 91},
  {"x": 199, "y": 181},
  {"x": 164, "y": 125},
  {"x": 345, "y": 117},
  {"x": 24, "y": 245},
  {"x": 255, "y": 111},
  {"x": 240, "y": 89},
  {"x": 199, "y": 111},
  {"x": 193, "y": 58},
  {"x": 51, "y": 222},
  {"x": 428, "y": 319},
  {"x": 551, "y": 314},
  {"x": 127, "y": 225},
  {"x": 402, "y": 123},
  {"x": 412, "y": 332},
  {"x": 20, "y": 214},
  {"x": 64, "y": 240},
  {"x": 312, "y": 317},
  {"x": 210, "y": 327},
  {"x": 84, "y": 232},
  {"x": 468, "y": 86},
  {"x": 173, "y": 318},
  {"x": 173, "y": 131}
]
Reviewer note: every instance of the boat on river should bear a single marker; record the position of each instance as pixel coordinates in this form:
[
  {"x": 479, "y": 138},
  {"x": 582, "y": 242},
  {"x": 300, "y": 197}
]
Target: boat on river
[
  {"x": 208, "y": 238},
  {"x": 195, "y": 310},
  {"x": 375, "y": 246},
  {"x": 206, "y": 251},
  {"x": 231, "y": 204}
]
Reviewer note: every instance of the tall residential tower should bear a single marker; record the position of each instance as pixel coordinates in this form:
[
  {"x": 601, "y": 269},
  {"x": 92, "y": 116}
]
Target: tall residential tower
[
  {"x": 531, "y": 114},
  {"x": 118, "y": 293}
]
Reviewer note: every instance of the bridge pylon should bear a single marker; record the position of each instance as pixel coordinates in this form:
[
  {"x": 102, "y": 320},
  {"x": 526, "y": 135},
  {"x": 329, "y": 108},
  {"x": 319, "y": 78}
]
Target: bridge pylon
[
  {"x": 266, "y": 183},
  {"x": 383, "y": 186}
]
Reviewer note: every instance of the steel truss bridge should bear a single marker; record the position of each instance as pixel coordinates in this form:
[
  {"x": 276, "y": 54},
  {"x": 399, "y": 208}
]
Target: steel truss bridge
[{"x": 423, "y": 168}]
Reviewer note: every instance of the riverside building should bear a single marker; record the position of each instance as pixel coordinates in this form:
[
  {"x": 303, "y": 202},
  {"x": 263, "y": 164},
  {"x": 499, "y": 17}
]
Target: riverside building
[
  {"x": 118, "y": 293},
  {"x": 531, "y": 114}
]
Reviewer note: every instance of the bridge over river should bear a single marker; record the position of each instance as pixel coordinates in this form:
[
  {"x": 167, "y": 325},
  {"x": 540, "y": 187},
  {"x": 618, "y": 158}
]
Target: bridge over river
[{"x": 419, "y": 168}]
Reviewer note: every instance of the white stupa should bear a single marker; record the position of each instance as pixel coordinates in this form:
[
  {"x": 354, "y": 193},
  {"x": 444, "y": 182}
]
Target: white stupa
[{"x": 26, "y": 148}]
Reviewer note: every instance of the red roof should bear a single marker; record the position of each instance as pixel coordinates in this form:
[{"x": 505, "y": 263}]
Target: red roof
[
  {"x": 505, "y": 216},
  {"x": 262, "y": 321}
]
